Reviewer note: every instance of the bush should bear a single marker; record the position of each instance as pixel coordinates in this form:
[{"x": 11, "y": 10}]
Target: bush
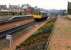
[{"x": 38, "y": 36}]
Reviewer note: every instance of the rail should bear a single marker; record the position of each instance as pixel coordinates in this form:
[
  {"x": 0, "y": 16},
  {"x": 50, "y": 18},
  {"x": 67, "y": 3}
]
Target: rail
[{"x": 13, "y": 30}]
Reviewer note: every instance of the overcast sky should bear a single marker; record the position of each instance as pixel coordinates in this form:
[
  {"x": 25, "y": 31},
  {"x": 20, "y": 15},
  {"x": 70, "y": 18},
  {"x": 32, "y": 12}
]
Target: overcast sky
[
  {"x": 69, "y": 0},
  {"x": 47, "y": 4}
]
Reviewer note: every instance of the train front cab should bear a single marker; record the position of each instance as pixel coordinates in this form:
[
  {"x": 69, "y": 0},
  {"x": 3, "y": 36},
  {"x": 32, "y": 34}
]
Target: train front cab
[{"x": 40, "y": 16}]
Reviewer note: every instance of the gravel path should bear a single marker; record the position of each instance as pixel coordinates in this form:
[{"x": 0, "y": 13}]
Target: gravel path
[{"x": 61, "y": 35}]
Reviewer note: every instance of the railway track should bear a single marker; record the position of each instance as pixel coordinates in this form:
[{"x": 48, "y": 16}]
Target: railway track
[
  {"x": 14, "y": 24},
  {"x": 13, "y": 30},
  {"x": 24, "y": 27},
  {"x": 36, "y": 42},
  {"x": 30, "y": 26},
  {"x": 19, "y": 28},
  {"x": 26, "y": 33}
]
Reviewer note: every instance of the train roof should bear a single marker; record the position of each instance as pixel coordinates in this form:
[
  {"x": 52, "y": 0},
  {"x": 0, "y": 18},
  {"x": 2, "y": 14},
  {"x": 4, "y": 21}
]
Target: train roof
[
  {"x": 19, "y": 16},
  {"x": 43, "y": 12}
]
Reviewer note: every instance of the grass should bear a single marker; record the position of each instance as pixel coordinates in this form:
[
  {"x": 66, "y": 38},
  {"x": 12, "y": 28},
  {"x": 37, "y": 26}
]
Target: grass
[
  {"x": 19, "y": 32},
  {"x": 4, "y": 43},
  {"x": 40, "y": 36}
]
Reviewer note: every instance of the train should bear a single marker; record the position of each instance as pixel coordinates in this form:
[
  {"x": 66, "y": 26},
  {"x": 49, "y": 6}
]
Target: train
[
  {"x": 37, "y": 14},
  {"x": 15, "y": 18}
]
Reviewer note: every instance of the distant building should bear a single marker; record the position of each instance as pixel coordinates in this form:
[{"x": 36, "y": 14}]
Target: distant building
[
  {"x": 13, "y": 6},
  {"x": 27, "y": 8},
  {"x": 3, "y": 7}
]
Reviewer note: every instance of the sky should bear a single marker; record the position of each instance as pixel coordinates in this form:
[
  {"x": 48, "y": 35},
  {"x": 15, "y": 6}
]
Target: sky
[
  {"x": 69, "y": 0},
  {"x": 46, "y": 4}
]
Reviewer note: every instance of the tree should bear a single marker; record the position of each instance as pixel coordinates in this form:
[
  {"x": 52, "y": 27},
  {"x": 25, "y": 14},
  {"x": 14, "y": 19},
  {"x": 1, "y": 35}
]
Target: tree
[{"x": 69, "y": 7}]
